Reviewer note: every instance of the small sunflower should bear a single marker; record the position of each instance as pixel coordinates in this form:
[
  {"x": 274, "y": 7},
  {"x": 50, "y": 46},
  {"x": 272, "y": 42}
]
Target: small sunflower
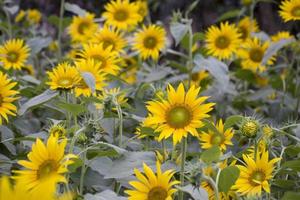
[
  {"x": 34, "y": 16},
  {"x": 63, "y": 77},
  {"x": 83, "y": 28},
  {"x": 110, "y": 37},
  {"x": 14, "y": 54},
  {"x": 142, "y": 8},
  {"x": 178, "y": 115},
  {"x": 47, "y": 164},
  {"x": 247, "y": 26},
  {"x": 29, "y": 69},
  {"x": 252, "y": 55},
  {"x": 222, "y": 42},
  {"x": 290, "y": 10},
  {"x": 107, "y": 58},
  {"x": 57, "y": 130},
  {"x": 152, "y": 186},
  {"x": 221, "y": 139},
  {"x": 93, "y": 68},
  {"x": 129, "y": 74},
  {"x": 121, "y": 14},
  {"x": 20, "y": 16},
  {"x": 197, "y": 77},
  {"x": 281, "y": 35},
  {"x": 7, "y": 97},
  {"x": 254, "y": 176},
  {"x": 150, "y": 41}
]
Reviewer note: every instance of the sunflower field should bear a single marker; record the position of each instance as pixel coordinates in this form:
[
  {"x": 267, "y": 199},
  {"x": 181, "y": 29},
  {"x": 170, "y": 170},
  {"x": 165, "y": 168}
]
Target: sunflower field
[{"x": 150, "y": 100}]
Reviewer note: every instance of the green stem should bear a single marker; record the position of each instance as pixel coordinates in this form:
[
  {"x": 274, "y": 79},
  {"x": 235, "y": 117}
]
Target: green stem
[
  {"x": 8, "y": 24},
  {"x": 60, "y": 27},
  {"x": 183, "y": 156},
  {"x": 83, "y": 170},
  {"x": 255, "y": 149},
  {"x": 120, "y": 115}
]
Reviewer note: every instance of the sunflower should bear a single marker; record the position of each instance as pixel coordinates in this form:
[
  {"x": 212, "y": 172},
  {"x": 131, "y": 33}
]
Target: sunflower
[
  {"x": 222, "y": 42},
  {"x": 29, "y": 69},
  {"x": 34, "y": 16},
  {"x": 247, "y": 26},
  {"x": 179, "y": 115},
  {"x": 254, "y": 176},
  {"x": 121, "y": 14},
  {"x": 57, "y": 130},
  {"x": 281, "y": 35},
  {"x": 290, "y": 10},
  {"x": 252, "y": 55},
  {"x": 110, "y": 37},
  {"x": 92, "y": 67},
  {"x": 152, "y": 186},
  {"x": 150, "y": 41},
  {"x": 199, "y": 76},
  {"x": 47, "y": 164},
  {"x": 142, "y": 8},
  {"x": 14, "y": 54},
  {"x": 83, "y": 28},
  {"x": 222, "y": 138},
  {"x": 107, "y": 58},
  {"x": 63, "y": 77},
  {"x": 20, "y": 16},
  {"x": 7, "y": 97}
]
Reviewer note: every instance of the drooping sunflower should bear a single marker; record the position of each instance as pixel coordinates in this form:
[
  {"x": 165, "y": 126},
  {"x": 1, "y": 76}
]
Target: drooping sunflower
[
  {"x": 150, "y": 41},
  {"x": 7, "y": 97},
  {"x": 110, "y": 37},
  {"x": 14, "y": 54},
  {"x": 47, "y": 164},
  {"x": 252, "y": 55},
  {"x": 152, "y": 186},
  {"x": 281, "y": 35},
  {"x": 63, "y": 77},
  {"x": 222, "y": 42},
  {"x": 92, "y": 67},
  {"x": 290, "y": 10},
  {"x": 83, "y": 28},
  {"x": 222, "y": 138},
  {"x": 121, "y": 14},
  {"x": 107, "y": 58},
  {"x": 254, "y": 176},
  {"x": 178, "y": 115},
  {"x": 247, "y": 26}
]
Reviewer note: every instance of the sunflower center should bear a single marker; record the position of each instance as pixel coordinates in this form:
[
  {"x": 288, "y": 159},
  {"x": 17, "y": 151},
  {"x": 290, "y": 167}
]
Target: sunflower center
[
  {"x": 83, "y": 27},
  {"x": 150, "y": 42},
  {"x": 121, "y": 15},
  {"x": 12, "y": 56},
  {"x": 157, "y": 193},
  {"x": 257, "y": 177},
  {"x": 217, "y": 139},
  {"x": 256, "y": 55},
  {"x": 195, "y": 76},
  {"x": 100, "y": 59},
  {"x": 244, "y": 32},
  {"x": 46, "y": 169},
  {"x": 222, "y": 42},
  {"x": 64, "y": 82},
  {"x": 179, "y": 117},
  {"x": 108, "y": 42},
  {"x": 296, "y": 11}
]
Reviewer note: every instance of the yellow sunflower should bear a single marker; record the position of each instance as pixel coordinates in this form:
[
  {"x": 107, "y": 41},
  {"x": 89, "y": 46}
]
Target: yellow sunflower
[
  {"x": 252, "y": 55},
  {"x": 247, "y": 26},
  {"x": 93, "y": 68},
  {"x": 152, "y": 186},
  {"x": 197, "y": 77},
  {"x": 222, "y": 42},
  {"x": 63, "y": 77},
  {"x": 7, "y": 97},
  {"x": 29, "y": 69},
  {"x": 254, "y": 176},
  {"x": 121, "y": 14},
  {"x": 142, "y": 8},
  {"x": 290, "y": 10},
  {"x": 34, "y": 16},
  {"x": 178, "y": 115},
  {"x": 281, "y": 35},
  {"x": 20, "y": 16},
  {"x": 150, "y": 41},
  {"x": 221, "y": 139},
  {"x": 110, "y": 37},
  {"x": 14, "y": 54},
  {"x": 47, "y": 164},
  {"x": 107, "y": 58},
  {"x": 57, "y": 130},
  {"x": 83, "y": 28}
]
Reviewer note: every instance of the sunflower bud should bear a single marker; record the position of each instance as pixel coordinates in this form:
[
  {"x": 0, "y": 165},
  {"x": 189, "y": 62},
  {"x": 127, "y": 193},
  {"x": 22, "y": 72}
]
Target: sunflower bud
[
  {"x": 82, "y": 138},
  {"x": 58, "y": 131},
  {"x": 249, "y": 127},
  {"x": 267, "y": 131}
]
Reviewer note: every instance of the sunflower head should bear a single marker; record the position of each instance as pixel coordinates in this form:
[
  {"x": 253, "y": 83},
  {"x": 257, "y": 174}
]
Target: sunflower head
[
  {"x": 58, "y": 130},
  {"x": 281, "y": 35},
  {"x": 142, "y": 8},
  {"x": 249, "y": 127},
  {"x": 246, "y": 26},
  {"x": 267, "y": 131},
  {"x": 34, "y": 16},
  {"x": 290, "y": 10},
  {"x": 20, "y": 16}
]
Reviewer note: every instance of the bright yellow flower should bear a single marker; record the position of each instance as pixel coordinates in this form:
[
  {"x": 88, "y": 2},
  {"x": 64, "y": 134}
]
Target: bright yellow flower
[
  {"x": 252, "y": 55},
  {"x": 254, "y": 176},
  {"x": 63, "y": 77},
  {"x": 34, "y": 16},
  {"x": 20, "y": 16},
  {"x": 290, "y": 10},
  {"x": 152, "y": 186},
  {"x": 281, "y": 35},
  {"x": 199, "y": 76},
  {"x": 129, "y": 73},
  {"x": 29, "y": 69},
  {"x": 47, "y": 164},
  {"x": 7, "y": 97},
  {"x": 178, "y": 115},
  {"x": 142, "y": 8},
  {"x": 121, "y": 14},
  {"x": 110, "y": 37},
  {"x": 222, "y": 42},
  {"x": 93, "y": 68},
  {"x": 247, "y": 26},
  {"x": 150, "y": 41},
  {"x": 83, "y": 28},
  {"x": 105, "y": 56},
  {"x": 221, "y": 139},
  {"x": 14, "y": 54}
]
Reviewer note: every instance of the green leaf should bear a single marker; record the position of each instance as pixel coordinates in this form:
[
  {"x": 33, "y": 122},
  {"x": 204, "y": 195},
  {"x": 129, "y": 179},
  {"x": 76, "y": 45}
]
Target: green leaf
[
  {"x": 291, "y": 196},
  {"x": 178, "y": 31},
  {"x": 89, "y": 79},
  {"x": 227, "y": 178},
  {"x": 286, "y": 184},
  {"x": 36, "y": 44},
  {"x": 208, "y": 124},
  {"x": 37, "y": 100},
  {"x": 75, "y": 109},
  {"x": 232, "y": 120},
  {"x": 229, "y": 14},
  {"x": 211, "y": 155},
  {"x": 293, "y": 164},
  {"x": 292, "y": 150}
]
